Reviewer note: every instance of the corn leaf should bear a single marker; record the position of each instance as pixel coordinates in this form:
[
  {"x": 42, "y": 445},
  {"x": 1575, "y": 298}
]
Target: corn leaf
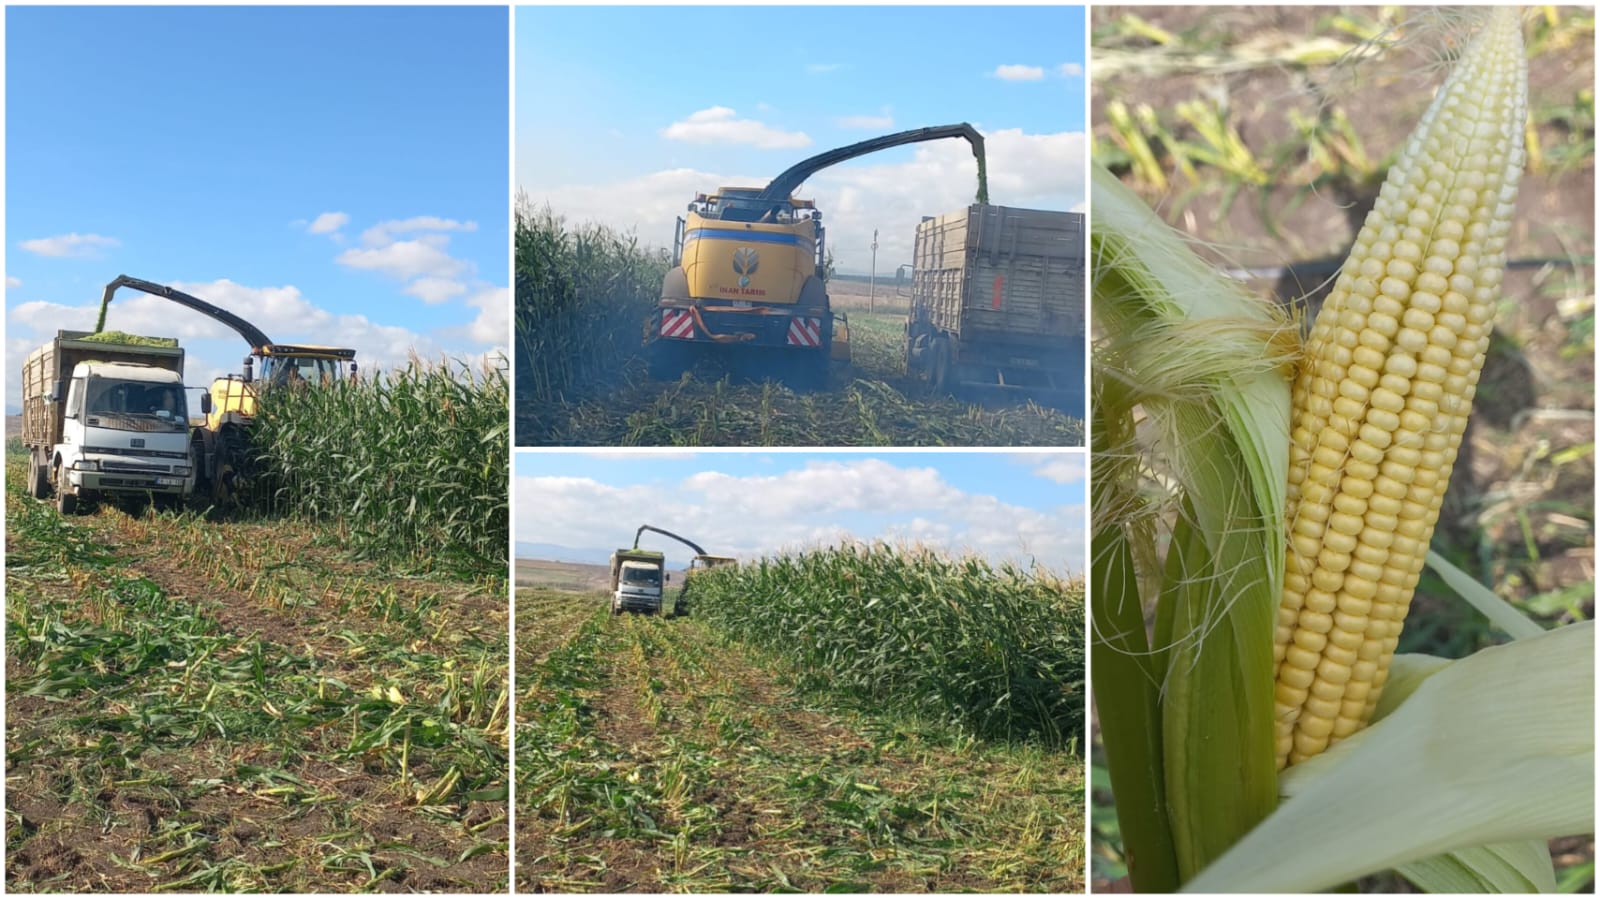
[
  {"x": 1204, "y": 363},
  {"x": 1521, "y": 867},
  {"x": 1494, "y": 748},
  {"x": 1499, "y": 612}
]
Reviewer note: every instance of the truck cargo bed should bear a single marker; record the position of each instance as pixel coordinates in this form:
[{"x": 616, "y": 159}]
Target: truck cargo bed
[{"x": 1002, "y": 271}]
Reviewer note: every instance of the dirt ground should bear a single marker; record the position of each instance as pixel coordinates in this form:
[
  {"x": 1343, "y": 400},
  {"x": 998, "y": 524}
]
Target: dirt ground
[
  {"x": 661, "y": 758},
  {"x": 225, "y": 706},
  {"x": 1520, "y": 512}
]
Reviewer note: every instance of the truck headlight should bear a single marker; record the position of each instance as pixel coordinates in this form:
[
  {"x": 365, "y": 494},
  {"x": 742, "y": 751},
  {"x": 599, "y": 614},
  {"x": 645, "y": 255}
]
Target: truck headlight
[
  {"x": 182, "y": 471},
  {"x": 87, "y": 465}
]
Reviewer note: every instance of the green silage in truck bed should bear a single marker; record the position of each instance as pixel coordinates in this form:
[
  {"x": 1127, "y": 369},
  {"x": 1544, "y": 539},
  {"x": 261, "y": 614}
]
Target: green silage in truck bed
[{"x": 124, "y": 337}]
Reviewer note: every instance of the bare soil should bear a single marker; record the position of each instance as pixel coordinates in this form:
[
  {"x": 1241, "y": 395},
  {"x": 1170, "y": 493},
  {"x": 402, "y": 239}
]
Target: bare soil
[{"x": 250, "y": 802}]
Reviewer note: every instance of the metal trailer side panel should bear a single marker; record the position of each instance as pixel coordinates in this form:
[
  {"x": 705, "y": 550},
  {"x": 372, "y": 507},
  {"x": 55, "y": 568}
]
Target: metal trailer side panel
[
  {"x": 41, "y": 419},
  {"x": 1006, "y": 273}
]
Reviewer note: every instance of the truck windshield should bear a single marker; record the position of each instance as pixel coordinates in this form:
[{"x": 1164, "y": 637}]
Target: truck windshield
[
  {"x": 136, "y": 405},
  {"x": 641, "y": 577}
]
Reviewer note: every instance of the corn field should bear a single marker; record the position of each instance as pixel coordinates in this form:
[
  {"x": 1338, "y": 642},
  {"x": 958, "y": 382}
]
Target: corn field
[
  {"x": 582, "y": 297},
  {"x": 995, "y": 650},
  {"x": 410, "y": 464}
]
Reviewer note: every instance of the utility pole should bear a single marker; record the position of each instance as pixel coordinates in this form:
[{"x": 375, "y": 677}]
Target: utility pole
[{"x": 872, "y": 280}]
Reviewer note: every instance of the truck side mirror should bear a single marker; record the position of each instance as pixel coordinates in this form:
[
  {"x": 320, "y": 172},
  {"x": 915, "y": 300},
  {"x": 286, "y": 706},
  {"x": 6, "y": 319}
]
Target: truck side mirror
[
  {"x": 58, "y": 391},
  {"x": 205, "y": 403}
]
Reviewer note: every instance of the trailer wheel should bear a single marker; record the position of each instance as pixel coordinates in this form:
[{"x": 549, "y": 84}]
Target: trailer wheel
[{"x": 939, "y": 368}]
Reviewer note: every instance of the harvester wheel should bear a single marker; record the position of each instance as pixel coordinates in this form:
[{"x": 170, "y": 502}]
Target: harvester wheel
[
  {"x": 813, "y": 371},
  {"x": 667, "y": 359},
  {"x": 235, "y": 472}
]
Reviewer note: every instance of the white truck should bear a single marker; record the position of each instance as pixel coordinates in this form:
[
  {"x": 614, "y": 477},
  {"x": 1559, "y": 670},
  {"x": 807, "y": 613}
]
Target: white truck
[
  {"x": 105, "y": 416},
  {"x": 638, "y": 581}
]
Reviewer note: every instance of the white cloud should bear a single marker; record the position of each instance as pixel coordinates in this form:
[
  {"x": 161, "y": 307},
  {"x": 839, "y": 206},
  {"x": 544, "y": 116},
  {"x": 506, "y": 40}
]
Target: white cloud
[
  {"x": 70, "y": 245},
  {"x": 435, "y": 290},
  {"x": 423, "y": 257},
  {"x": 1062, "y": 468},
  {"x": 383, "y": 233},
  {"x": 824, "y": 502},
  {"x": 1019, "y": 73},
  {"x": 12, "y": 282},
  {"x": 1036, "y": 171},
  {"x": 327, "y": 223},
  {"x": 213, "y": 349},
  {"x": 1070, "y": 69},
  {"x": 877, "y": 122},
  {"x": 493, "y": 323},
  {"x": 651, "y": 203},
  {"x": 719, "y": 124}
]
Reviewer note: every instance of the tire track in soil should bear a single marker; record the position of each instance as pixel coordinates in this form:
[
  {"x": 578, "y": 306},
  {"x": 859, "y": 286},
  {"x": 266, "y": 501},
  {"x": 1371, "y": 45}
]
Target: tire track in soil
[
  {"x": 239, "y": 824},
  {"x": 759, "y": 825}
]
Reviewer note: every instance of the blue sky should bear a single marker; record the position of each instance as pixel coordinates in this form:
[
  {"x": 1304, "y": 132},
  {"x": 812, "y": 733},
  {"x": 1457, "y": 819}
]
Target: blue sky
[
  {"x": 334, "y": 175},
  {"x": 672, "y": 102},
  {"x": 1018, "y": 506}
]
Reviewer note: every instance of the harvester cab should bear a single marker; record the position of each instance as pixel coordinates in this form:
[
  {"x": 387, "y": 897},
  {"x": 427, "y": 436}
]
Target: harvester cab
[
  {"x": 749, "y": 282},
  {"x": 221, "y": 447}
]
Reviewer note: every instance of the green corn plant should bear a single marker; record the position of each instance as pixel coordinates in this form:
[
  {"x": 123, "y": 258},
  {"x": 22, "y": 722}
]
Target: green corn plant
[
  {"x": 996, "y": 650},
  {"x": 582, "y": 296},
  {"x": 1273, "y": 504},
  {"x": 410, "y": 463}
]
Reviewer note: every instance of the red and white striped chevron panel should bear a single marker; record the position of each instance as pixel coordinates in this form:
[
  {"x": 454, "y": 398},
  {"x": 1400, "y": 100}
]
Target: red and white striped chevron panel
[
  {"x": 805, "y": 332},
  {"x": 677, "y": 323}
]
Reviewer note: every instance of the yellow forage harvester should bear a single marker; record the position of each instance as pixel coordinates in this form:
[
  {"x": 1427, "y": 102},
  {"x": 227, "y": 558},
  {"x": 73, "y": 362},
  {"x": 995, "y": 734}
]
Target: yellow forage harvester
[{"x": 1382, "y": 395}]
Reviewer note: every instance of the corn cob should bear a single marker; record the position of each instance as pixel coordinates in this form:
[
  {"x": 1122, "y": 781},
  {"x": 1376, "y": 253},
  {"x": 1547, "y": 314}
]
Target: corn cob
[{"x": 1382, "y": 395}]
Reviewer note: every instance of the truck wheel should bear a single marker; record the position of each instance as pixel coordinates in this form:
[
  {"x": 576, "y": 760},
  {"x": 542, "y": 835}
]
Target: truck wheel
[
  {"x": 66, "y": 503},
  {"x": 38, "y": 478}
]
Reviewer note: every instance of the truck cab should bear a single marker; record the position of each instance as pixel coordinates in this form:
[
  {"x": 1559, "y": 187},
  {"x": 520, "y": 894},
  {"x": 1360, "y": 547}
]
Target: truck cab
[
  {"x": 639, "y": 588},
  {"x": 124, "y": 430}
]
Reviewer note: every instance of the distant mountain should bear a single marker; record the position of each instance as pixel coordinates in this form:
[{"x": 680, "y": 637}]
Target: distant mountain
[{"x": 555, "y": 553}]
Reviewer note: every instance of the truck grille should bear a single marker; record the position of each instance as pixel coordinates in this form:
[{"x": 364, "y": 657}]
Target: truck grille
[
  {"x": 132, "y": 451},
  {"x": 122, "y": 467}
]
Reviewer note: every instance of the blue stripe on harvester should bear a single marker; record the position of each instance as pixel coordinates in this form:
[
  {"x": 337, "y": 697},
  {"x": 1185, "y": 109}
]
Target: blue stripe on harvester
[{"x": 746, "y": 236}]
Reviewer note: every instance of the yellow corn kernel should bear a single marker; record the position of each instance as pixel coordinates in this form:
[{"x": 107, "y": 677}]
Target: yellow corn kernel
[{"x": 1391, "y": 366}]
